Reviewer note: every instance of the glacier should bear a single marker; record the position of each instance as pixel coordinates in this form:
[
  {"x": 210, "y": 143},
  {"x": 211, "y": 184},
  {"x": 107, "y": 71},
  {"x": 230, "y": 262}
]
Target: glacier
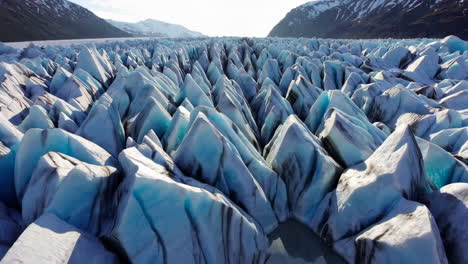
[
  {"x": 51, "y": 240},
  {"x": 448, "y": 206},
  {"x": 234, "y": 150}
]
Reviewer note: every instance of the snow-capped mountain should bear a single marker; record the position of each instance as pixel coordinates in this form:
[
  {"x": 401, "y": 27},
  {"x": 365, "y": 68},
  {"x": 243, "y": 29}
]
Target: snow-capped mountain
[
  {"x": 375, "y": 18},
  {"x": 155, "y": 28},
  {"x": 22, "y": 20}
]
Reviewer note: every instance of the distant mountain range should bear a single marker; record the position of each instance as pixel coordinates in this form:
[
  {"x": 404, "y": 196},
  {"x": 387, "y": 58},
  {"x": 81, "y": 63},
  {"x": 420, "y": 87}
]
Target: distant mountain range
[
  {"x": 155, "y": 28},
  {"x": 24, "y": 20},
  {"x": 376, "y": 19}
]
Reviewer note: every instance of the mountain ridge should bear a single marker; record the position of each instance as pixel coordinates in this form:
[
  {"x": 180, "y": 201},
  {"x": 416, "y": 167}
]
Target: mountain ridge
[
  {"x": 375, "y": 19},
  {"x": 25, "y": 20}
]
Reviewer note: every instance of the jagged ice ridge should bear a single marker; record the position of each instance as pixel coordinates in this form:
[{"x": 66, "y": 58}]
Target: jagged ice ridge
[{"x": 195, "y": 151}]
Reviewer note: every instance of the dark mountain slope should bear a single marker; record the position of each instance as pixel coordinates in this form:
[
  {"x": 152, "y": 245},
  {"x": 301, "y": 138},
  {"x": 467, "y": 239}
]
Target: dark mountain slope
[
  {"x": 23, "y": 20},
  {"x": 376, "y": 19}
]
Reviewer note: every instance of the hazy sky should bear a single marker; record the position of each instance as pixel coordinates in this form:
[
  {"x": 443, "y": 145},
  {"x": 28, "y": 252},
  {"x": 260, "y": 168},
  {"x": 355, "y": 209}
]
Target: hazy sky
[{"x": 210, "y": 17}]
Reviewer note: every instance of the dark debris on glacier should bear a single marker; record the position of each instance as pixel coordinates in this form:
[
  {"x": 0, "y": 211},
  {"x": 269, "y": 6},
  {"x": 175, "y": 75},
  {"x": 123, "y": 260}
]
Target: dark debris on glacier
[{"x": 230, "y": 150}]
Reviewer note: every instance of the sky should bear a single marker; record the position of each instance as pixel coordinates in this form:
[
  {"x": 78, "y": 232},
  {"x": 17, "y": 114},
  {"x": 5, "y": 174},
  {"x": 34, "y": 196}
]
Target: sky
[{"x": 249, "y": 18}]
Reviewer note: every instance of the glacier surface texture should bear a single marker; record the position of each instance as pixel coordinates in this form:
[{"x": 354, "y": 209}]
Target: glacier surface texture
[{"x": 235, "y": 150}]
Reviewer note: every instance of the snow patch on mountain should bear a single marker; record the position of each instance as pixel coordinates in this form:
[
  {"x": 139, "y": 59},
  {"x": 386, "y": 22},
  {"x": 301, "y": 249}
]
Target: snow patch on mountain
[{"x": 359, "y": 9}]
